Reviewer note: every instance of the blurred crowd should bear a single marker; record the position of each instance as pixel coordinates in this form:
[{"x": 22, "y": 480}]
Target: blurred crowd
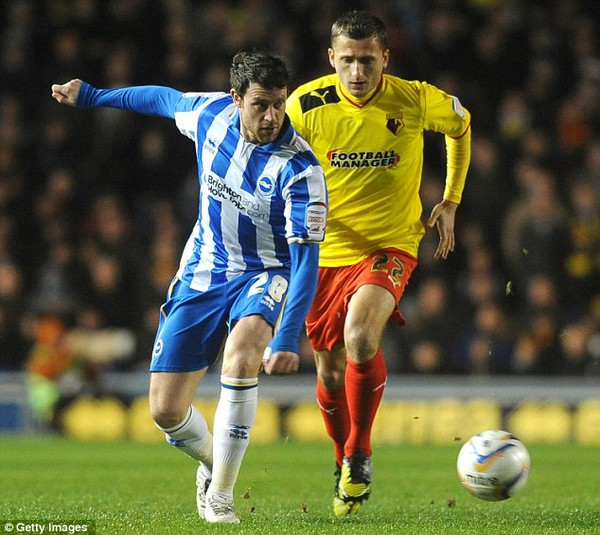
[{"x": 95, "y": 206}]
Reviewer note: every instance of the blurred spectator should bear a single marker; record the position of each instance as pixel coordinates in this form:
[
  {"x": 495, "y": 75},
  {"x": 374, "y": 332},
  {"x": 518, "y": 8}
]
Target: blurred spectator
[
  {"x": 430, "y": 329},
  {"x": 14, "y": 343},
  {"x": 106, "y": 292},
  {"x": 539, "y": 327},
  {"x": 486, "y": 347},
  {"x": 576, "y": 355},
  {"x": 480, "y": 279},
  {"x": 485, "y": 200},
  {"x": 537, "y": 350},
  {"x": 11, "y": 290},
  {"x": 583, "y": 260},
  {"x": 47, "y": 361},
  {"x": 535, "y": 229}
]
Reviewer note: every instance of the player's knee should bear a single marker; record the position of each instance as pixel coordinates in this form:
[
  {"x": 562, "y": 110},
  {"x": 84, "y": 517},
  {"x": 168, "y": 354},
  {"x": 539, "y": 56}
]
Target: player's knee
[
  {"x": 331, "y": 372},
  {"x": 240, "y": 365},
  {"x": 361, "y": 345},
  {"x": 166, "y": 417},
  {"x": 331, "y": 380}
]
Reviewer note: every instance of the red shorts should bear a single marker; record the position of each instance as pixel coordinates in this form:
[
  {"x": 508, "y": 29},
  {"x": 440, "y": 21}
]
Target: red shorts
[{"x": 389, "y": 268}]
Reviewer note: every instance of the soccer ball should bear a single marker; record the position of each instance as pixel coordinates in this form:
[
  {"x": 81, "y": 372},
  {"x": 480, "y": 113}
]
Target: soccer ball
[{"x": 493, "y": 465}]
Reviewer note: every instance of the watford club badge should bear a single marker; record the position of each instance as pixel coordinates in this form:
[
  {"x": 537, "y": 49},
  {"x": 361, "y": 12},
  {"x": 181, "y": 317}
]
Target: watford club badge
[{"x": 394, "y": 122}]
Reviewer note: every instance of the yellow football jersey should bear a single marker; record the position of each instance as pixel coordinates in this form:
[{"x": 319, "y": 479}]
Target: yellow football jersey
[{"x": 372, "y": 153}]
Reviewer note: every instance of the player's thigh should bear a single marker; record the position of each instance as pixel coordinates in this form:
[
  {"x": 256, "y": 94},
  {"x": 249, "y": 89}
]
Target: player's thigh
[
  {"x": 369, "y": 310},
  {"x": 379, "y": 283},
  {"x": 245, "y": 347},
  {"x": 327, "y": 314},
  {"x": 192, "y": 330},
  {"x": 255, "y": 312}
]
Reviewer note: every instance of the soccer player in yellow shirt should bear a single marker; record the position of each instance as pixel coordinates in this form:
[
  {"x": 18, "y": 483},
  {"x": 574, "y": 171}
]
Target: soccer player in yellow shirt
[{"x": 366, "y": 128}]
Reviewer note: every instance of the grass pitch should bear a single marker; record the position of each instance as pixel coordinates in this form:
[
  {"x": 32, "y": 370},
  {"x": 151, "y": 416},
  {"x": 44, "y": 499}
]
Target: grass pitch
[{"x": 286, "y": 488}]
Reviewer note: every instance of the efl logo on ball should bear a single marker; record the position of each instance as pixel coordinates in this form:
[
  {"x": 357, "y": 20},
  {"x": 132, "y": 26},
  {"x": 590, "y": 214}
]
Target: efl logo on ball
[{"x": 493, "y": 465}]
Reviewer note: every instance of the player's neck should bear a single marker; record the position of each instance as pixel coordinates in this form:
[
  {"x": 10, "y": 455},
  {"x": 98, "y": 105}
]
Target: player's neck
[{"x": 360, "y": 102}]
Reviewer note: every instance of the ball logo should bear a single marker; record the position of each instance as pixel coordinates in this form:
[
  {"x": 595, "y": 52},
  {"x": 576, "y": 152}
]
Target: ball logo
[{"x": 266, "y": 185}]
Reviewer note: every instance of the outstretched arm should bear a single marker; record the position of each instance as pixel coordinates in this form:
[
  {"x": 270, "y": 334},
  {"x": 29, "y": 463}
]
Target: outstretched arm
[{"x": 149, "y": 100}]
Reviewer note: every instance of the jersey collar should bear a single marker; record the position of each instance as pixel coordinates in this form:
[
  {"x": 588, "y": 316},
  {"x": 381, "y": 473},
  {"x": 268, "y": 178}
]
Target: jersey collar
[{"x": 359, "y": 102}]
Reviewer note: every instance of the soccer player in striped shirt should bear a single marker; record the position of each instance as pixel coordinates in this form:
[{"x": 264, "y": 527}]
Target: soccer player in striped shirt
[
  {"x": 366, "y": 128},
  {"x": 248, "y": 272}
]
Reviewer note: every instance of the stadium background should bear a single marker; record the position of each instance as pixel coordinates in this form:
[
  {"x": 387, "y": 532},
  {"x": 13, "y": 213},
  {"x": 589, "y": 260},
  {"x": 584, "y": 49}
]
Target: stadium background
[{"x": 95, "y": 208}]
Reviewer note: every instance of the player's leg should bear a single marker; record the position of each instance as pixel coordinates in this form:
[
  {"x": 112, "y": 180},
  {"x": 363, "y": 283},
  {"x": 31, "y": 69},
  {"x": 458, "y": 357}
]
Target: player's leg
[
  {"x": 256, "y": 308},
  {"x": 368, "y": 311},
  {"x": 170, "y": 398},
  {"x": 331, "y": 398},
  {"x": 236, "y": 412},
  {"x": 379, "y": 285},
  {"x": 171, "y": 408},
  {"x": 188, "y": 340},
  {"x": 325, "y": 329}
]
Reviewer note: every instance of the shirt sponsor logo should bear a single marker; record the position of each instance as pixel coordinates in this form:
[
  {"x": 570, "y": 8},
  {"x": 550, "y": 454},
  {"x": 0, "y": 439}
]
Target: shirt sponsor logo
[
  {"x": 358, "y": 159},
  {"x": 250, "y": 207}
]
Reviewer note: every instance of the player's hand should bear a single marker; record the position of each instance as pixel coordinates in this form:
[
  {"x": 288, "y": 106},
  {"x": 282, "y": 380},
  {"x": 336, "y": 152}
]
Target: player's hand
[
  {"x": 280, "y": 362},
  {"x": 442, "y": 216},
  {"x": 67, "y": 93}
]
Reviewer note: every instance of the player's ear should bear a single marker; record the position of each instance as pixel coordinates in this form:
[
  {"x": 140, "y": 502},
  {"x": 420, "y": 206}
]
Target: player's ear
[
  {"x": 237, "y": 100},
  {"x": 386, "y": 57},
  {"x": 331, "y": 56}
]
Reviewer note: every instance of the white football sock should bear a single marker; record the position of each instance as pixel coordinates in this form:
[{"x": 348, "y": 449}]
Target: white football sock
[
  {"x": 234, "y": 419},
  {"x": 192, "y": 437}
]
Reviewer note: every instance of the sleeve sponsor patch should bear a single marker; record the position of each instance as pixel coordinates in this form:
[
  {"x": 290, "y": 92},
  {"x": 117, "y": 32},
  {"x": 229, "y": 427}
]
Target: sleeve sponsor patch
[{"x": 316, "y": 219}]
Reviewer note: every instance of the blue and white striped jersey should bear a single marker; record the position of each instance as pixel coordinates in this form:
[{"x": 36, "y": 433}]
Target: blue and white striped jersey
[{"x": 253, "y": 200}]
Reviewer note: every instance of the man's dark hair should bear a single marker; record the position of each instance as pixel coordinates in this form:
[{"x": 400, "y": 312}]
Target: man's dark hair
[
  {"x": 259, "y": 67},
  {"x": 360, "y": 25}
]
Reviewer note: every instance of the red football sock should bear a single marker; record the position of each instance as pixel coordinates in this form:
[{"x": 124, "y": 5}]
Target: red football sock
[
  {"x": 334, "y": 409},
  {"x": 365, "y": 383}
]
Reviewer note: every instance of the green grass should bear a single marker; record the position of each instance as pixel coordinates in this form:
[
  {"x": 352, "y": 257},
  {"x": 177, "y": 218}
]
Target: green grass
[{"x": 128, "y": 488}]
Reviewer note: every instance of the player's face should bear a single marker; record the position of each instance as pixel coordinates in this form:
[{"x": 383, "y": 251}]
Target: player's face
[
  {"x": 262, "y": 112},
  {"x": 358, "y": 63}
]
